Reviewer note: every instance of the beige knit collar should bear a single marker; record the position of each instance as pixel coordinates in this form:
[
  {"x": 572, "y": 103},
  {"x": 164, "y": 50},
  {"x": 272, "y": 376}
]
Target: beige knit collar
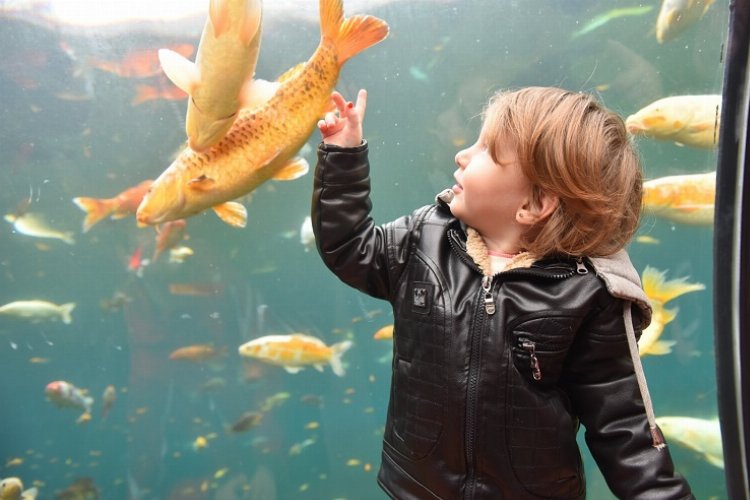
[{"x": 478, "y": 251}]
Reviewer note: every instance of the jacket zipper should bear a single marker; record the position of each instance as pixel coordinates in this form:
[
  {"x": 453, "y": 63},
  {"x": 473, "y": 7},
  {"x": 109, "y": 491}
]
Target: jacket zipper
[
  {"x": 530, "y": 347},
  {"x": 473, "y": 384}
]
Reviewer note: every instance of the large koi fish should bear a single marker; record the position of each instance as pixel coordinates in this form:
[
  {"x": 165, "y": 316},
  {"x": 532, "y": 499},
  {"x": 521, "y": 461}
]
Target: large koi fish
[{"x": 263, "y": 140}]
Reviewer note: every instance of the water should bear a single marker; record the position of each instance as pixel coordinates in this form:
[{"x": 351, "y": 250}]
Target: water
[{"x": 70, "y": 130}]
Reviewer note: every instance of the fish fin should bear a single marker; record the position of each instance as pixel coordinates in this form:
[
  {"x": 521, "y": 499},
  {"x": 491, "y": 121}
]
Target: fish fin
[
  {"x": 233, "y": 213},
  {"x": 318, "y": 367},
  {"x": 218, "y": 13},
  {"x": 32, "y": 493},
  {"x": 715, "y": 461},
  {"x": 660, "y": 290},
  {"x": 250, "y": 22},
  {"x": 293, "y": 169},
  {"x": 338, "y": 351},
  {"x": 292, "y": 369},
  {"x": 66, "y": 310},
  {"x": 68, "y": 238},
  {"x": 351, "y": 35},
  {"x": 95, "y": 209},
  {"x": 290, "y": 73},
  {"x": 181, "y": 71},
  {"x": 255, "y": 93},
  {"x": 660, "y": 347},
  {"x": 201, "y": 183}
]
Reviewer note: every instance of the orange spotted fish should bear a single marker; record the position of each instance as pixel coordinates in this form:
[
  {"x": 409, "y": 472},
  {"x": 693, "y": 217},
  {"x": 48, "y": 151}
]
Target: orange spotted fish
[
  {"x": 687, "y": 199},
  {"x": 118, "y": 207},
  {"x": 263, "y": 141},
  {"x": 295, "y": 351}
]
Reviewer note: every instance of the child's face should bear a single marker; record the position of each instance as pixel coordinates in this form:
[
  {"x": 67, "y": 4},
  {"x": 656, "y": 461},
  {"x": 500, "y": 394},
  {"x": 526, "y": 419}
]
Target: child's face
[{"x": 488, "y": 195}]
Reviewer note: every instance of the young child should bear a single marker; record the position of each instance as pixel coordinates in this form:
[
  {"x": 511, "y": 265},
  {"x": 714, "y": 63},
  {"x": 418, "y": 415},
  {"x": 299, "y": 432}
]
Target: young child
[{"x": 516, "y": 308}]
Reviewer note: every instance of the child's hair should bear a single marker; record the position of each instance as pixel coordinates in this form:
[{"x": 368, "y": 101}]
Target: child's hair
[{"x": 571, "y": 146}]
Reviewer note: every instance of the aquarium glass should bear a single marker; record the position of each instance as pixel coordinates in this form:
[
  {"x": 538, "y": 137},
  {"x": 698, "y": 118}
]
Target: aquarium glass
[{"x": 86, "y": 112}]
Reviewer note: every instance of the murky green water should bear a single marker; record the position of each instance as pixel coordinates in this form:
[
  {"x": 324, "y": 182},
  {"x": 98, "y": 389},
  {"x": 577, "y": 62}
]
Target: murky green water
[{"x": 69, "y": 129}]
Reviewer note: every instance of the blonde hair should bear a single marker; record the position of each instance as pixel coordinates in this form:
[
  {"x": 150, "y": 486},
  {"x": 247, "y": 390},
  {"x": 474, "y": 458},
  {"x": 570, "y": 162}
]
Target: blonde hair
[{"x": 571, "y": 146}]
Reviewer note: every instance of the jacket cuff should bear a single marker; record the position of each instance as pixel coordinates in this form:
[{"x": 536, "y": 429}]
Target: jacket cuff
[{"x": 338, "y": 165}]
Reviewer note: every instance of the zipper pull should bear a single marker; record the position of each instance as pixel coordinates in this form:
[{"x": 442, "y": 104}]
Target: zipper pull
[
  {"x": 580, "y": 267},
  {"x": 536, "y": 370},
  {"x": 489, "y": 304}
]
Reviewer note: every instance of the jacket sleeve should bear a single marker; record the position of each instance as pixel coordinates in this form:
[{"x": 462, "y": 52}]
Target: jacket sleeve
[
  {"x": 363, "y": 255},
  {"x": 602, "y": 385}
]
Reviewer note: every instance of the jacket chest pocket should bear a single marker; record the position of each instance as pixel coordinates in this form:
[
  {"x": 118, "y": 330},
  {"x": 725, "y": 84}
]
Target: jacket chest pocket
[
  {"x": 540, "y": 345},
  {"x": 540, "y": 430},
  {"x": 418, "y": 391}
]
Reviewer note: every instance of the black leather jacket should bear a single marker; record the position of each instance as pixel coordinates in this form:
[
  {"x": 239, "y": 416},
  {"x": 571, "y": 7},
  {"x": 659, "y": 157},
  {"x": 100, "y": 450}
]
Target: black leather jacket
[{"x": 486, "y": 404}]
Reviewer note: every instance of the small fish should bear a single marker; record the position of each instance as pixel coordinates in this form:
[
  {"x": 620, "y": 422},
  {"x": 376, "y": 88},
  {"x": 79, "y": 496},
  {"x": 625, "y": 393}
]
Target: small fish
[
  {"x": 273, "y": 401},
  {"x": 198, "y": 353},
  {"x": 296, "y": 351},
  {"x": 687, "y": 199},
  {"x": 164, "y": 91},
  {"x": 135, "y": 261},
  {"x": 81, "y": 489},
  {"x": 385, "y": 333},
  {"x": 200, "y": 443},
  {"x": 196, "y": 289},
  {"x": 65, "y": 395},
  {"x": 180, "y": 254},
  {"x": 660, "y": 292},
  {"x": 692, "y": 120},
  {"x": 647, "y": 240},
  {"x": 109, "y": 396},
  {"x": 675, "y": 16},
  {"x": 263, "y": 140},
  {"x": 11, "y": 488},
  {"x": 602, "y": 19},
  {"x": 697, "y": 434},
  {"x": 39, "y": 310},
  {"x": 139, "y": 63},
  {"x": 248, "y": 420},
  {"x": 14, "y": 462},
  {"x": 220, "y": 81},
  {"x": 297, "y": 448},
  {"x": 32, "y": 224},
  {"x": 306, "y": 235},
  {"x": 118, "y": 207}
]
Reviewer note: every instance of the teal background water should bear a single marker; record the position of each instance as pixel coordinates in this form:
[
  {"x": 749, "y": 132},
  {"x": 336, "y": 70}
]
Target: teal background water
[{"x": 427, "y": 83}]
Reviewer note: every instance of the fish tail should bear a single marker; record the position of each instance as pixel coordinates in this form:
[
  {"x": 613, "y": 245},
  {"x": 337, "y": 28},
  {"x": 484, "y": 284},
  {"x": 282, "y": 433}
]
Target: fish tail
[
  {"x": 68, "y": 238},
  {"x": 351, "y": 35},
  {"x": 660, "y": 290},
  {"x": 95, "y": 209},
  {"x": 65, "y": 312},
  {"x": 338, "y": 351}
]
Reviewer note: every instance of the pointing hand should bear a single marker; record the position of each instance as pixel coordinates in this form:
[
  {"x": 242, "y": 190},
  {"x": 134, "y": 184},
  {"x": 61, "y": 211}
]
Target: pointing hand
[{"x": 344, "y": 127}]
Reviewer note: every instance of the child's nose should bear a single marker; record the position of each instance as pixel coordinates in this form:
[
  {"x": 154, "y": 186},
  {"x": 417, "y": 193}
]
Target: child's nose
[{"x": 461, "y": 158}]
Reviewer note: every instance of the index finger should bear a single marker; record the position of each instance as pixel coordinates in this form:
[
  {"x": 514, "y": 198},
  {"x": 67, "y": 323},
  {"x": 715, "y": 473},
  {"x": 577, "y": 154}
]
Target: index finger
[{"x": 339, "y": 101}]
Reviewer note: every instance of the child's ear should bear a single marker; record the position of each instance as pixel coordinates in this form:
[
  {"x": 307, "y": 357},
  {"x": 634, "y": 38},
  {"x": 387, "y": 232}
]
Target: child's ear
[{"x": 531, "y": 213}]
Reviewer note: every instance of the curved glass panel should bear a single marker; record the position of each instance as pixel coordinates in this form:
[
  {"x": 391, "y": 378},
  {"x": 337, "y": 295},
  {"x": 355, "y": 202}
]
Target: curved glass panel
[{"x": 88, "y": 113}]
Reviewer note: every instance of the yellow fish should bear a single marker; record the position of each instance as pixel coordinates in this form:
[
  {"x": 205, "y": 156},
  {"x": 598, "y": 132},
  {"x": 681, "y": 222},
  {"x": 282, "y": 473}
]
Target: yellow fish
[
  {"x": 692, "y": 120},
  {"x": 688, "y": 199},
  {"x": 39, "y": 310},
  {"x": 385, "y": 333},
  {"x": 697, "y": 434},
  {"x": 675, "y": 16},
  {"x": 659, "y": 292},
  {"x": 11, "y": 488},
  {"x": 34, "y": 225},
  {"x": 263, "y": 140},
  {"x": 220, "y": 80},
  {"x": 295, "y": 351}
]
